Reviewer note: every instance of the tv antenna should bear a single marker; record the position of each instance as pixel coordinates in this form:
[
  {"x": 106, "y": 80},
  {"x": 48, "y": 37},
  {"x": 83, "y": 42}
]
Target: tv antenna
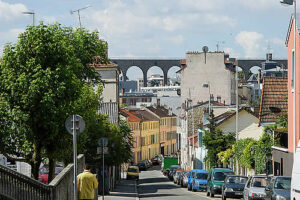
[
  {"x": 218, "y": 44},
  {"x": 30, "y": 13},
  {"x": 78, "y": 12}
]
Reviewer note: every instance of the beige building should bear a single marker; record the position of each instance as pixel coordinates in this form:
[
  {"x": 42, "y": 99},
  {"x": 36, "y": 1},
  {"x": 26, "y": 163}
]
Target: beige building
[
  {"x": 248, "y": 125},
  {"x": 213, "y": 68}
]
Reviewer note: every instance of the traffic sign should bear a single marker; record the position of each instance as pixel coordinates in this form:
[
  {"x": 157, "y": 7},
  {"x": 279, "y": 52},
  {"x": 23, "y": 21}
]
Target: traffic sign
[
  {"x": 79, "y": 124},
  {"x": 99, "y": 150},
  {"x": 103, "y": 142}
]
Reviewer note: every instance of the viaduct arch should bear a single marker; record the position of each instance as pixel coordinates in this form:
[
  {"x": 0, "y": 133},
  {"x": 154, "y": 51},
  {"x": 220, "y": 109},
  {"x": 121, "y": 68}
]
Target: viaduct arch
[
  {"x": 146, "y": 64},
  {"x": 247, "y": 64}
]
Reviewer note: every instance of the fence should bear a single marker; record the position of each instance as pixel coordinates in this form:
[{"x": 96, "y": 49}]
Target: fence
[{"x": 16, "y": 186}]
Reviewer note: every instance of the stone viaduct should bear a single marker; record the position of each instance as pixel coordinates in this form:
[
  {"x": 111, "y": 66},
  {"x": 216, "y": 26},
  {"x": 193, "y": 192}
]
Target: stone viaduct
[{"x": 166, "y": 64}]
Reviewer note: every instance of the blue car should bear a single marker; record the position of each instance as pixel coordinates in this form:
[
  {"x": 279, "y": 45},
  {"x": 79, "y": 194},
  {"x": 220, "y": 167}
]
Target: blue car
[
  {"x": 191, "y": 176},
  {"x": 200, "y": 180}
]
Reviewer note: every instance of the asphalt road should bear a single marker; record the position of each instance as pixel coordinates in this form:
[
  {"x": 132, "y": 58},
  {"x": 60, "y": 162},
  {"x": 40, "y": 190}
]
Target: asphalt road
[{"x": 154, "y": 185}]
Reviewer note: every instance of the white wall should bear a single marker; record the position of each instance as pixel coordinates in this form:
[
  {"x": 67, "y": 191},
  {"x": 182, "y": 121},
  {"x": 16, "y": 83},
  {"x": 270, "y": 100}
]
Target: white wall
[
  {"x": 213, "y": 71},
  {"x": 248, "y": 126}
]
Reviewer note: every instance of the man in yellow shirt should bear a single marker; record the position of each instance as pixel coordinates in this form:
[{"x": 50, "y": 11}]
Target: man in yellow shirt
[{"x": 86, "y": 184}]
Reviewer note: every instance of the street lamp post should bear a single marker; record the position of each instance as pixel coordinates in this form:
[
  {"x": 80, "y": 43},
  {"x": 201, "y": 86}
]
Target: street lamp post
[{"x": 293, "y": 2}]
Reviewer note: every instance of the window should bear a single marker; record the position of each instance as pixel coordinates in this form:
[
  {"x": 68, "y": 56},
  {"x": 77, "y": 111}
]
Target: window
[{"x": 293, "y": 70}]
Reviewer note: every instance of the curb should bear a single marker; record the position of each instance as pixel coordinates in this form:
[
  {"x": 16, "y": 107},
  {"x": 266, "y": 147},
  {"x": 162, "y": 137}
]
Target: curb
[{"x": 136, "y": 191}]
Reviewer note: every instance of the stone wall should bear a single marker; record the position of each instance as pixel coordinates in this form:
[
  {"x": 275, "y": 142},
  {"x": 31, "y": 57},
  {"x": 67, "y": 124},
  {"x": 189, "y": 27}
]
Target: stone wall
[
  {"x": 198, "y": 113},
  {"x": 63, "y": 182}
]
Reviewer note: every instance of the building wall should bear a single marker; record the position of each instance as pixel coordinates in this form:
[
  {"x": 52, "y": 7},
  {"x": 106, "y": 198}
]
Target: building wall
[
  {"x": 285, "y": 159},
  {"x": 248, "y": 126},
  {"x": 168, "y": 134},
  {"x": 297, "y": 89},
  {"x": 110, "y": 78},
  {"x": 203, "y": 68},
  {"x": 149, "y": 139}
]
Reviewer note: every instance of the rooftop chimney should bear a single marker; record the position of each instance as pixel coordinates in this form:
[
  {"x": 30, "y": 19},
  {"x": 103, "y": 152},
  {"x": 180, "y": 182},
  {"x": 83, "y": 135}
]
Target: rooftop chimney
[
  {"x": 269, "y": 56},
  {"x": 158, "y": 102}
]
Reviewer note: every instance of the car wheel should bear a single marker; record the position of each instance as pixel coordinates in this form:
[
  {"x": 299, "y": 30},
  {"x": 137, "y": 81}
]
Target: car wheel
[
  {"x": 193, "y": 189},
  {"x": 211, "y": 194},
  {"x": 223, "y": 197}
]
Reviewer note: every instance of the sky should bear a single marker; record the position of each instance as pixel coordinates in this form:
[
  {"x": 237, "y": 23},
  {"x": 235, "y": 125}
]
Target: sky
[{"x": 163, "y": 28}]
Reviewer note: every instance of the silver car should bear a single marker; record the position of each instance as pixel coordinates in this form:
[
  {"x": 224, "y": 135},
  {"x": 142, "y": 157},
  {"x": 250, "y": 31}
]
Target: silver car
[{"x": 255, "y": 188}]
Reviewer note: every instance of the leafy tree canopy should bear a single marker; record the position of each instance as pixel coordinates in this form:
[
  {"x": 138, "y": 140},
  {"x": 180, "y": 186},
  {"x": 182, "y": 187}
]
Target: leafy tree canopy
[{"x": 45, "y": 77}]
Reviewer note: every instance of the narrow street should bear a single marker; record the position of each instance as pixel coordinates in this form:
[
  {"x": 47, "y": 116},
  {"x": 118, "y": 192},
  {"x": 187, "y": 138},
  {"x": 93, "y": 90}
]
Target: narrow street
[{"x": 154, "y": 185}]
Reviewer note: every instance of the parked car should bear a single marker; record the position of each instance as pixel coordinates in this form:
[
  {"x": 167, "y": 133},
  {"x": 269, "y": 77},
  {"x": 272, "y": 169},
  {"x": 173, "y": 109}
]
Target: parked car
[
  {"x": 173, "y": 169},
  {"x": 185, "y": 179},
  {"x": 215, "y": 179},
  {"x": 44, "y": 173},
  {"x": 191, "y": 176},
  {"x": 279, "y": 187},
  {"x": 133, "y": 172},
  {"x": 233, "y": 186},
  {"x": 142, "y": 166},
  {"x": 156, "y": 160},
  {"x": 180, "y": 177},
  {"x": 255, "y": 188},
  {"x": 200, "y": 181},
  {"x": 176, "y": 175}
]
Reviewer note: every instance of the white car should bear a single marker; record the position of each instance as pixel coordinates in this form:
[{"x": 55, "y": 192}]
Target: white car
[{"x": 255, "y": 188}]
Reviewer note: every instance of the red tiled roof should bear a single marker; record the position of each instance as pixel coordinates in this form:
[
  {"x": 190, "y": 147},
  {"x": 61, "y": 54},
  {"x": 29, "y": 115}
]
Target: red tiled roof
[
  {"x": 273, "y": 99},
  {"x": 131, "y": 117}
]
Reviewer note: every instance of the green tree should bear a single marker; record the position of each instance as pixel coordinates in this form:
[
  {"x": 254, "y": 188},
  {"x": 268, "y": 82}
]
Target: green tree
[
  {"x": 216, "y": 141},
  {"x": 43, "y": 79}
]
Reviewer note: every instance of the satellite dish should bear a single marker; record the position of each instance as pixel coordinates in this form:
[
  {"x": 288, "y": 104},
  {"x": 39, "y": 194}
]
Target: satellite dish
[{"x": 205, "y": 49}]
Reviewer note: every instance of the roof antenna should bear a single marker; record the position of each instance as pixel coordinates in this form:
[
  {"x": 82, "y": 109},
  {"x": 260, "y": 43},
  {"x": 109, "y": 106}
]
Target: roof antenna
[
  {"x": 78, "y": 12},
  {"x": 205, "y": 50}
]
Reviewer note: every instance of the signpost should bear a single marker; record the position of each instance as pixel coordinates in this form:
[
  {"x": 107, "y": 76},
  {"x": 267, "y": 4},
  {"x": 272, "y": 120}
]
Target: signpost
[
  {"x": 102, "y": 149},
  {"x": 75, "y": 125}
]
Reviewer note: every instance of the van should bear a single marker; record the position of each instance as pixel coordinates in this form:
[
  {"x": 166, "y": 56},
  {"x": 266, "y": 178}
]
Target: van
[
  {"x": 215, "y": 180},
  {"x": 295, "y": 184}
]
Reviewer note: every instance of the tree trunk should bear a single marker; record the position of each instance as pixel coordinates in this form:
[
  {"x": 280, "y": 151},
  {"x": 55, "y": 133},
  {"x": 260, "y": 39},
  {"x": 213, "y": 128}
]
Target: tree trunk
[
  {"x": 51, "y": 174},
  {"x": 36, "y": 161}
]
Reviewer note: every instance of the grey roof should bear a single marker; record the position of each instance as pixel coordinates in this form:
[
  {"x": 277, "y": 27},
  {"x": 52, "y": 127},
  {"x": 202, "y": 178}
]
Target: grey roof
[{"x": 138, "y": 94}]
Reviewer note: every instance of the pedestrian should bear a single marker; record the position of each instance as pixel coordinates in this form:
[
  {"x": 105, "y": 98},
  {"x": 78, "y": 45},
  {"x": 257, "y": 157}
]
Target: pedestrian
[{"x": 86, "y": 184}]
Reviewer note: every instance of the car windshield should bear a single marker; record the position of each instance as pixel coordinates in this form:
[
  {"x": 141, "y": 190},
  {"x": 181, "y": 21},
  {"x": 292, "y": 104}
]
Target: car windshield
[
  {"x": 220, "y": 176},
  {"x": 283, "y": 183},
  {"x": 201, "y": 176},
  {"x": 236, "y": 180},
  {"x": 132, "y": 170},
  {"x": 259, "y": 182},
  {"x": 174, "y": 167},
  {"x": 141, "y": 164}
]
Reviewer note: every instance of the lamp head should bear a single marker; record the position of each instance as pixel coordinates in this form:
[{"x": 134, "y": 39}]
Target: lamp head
[{"x": 205, "y": 85}]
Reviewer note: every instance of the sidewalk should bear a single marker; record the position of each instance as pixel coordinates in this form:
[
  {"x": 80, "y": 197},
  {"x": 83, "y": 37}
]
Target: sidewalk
[{"x": 125, "y": 190}]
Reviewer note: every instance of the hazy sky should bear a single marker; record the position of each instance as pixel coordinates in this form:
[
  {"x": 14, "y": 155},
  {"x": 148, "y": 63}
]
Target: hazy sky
[{"x": 163, "y": 28}]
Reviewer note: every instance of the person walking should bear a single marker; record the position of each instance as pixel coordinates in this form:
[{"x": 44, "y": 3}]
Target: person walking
[{"x": 86, "y": 184}]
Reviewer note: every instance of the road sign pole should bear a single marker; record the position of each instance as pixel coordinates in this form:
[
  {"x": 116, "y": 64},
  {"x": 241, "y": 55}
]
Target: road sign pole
[
  {"x": 103, "y": 171},
  {"x": 75, "y": 158}
]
